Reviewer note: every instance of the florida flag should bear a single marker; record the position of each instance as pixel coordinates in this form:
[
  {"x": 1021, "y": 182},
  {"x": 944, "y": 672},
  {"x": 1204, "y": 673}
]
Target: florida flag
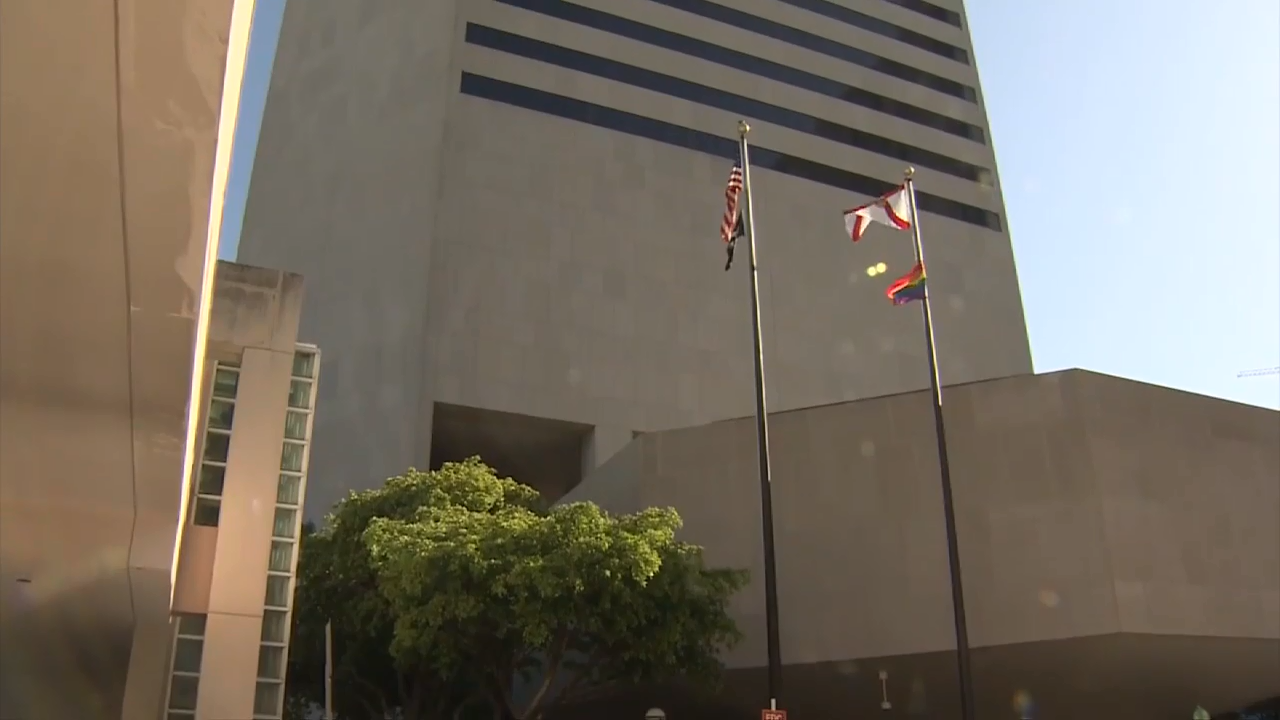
[{"x": 890, "y": 209}]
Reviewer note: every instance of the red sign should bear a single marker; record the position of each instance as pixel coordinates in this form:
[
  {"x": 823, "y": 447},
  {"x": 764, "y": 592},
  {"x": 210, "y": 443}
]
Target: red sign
[{"x": 773, "y": 715}]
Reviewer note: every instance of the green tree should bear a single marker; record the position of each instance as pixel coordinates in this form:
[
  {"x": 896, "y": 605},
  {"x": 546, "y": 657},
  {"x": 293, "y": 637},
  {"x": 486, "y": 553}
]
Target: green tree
[
  {"x": 457, "y": 589},
  {"x": 337, "y": 584}
]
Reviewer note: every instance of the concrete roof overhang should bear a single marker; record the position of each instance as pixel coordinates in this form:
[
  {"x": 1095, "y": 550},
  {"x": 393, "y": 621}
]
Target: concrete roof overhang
[{"x": 114, "y": 146}]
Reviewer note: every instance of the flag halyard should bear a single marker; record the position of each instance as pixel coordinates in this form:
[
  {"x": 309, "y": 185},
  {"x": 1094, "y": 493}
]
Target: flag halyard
[{"x": 890, "y": 209}]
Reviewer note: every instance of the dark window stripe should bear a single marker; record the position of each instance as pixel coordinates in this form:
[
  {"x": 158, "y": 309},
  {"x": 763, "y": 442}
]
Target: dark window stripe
[
  {"x": 928, "y": 9},
  {"x": 716, "y": 98},
  {"x": 623, "y": 27},
  {"x": 624, "y": 122},
  {"x": 866, "y": 22},
  {"x": 818, "y": 44}
]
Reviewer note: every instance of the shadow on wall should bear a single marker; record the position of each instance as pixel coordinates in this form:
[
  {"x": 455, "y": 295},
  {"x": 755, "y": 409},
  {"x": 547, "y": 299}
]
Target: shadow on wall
[{"x": 542, "y": 453}]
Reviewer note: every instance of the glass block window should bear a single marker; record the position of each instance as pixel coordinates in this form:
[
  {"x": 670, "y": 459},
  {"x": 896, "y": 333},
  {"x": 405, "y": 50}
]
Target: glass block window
[
  {"x": 207, "y": 505},
  {"x": 277, "y": 591},
  {"x": 304, "y": 364},
  {"x": 285, "y": 524},
  {"x": 281, "y": 558},
  {"x": 291, "y": 456},
  {"x": 289, "y": 491},
  {"x": 270, "y": 662},
  {"x": 266, "y": 699},
  {"x": 275, "y": 626},
  {"x": 273, "y": 652},
  {"x": 184, "y": 675},
  {"x": 300, "y": 394},
  {"x": 295, "y": 425}
]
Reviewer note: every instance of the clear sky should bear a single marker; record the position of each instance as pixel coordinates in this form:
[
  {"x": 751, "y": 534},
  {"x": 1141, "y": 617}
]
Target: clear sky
[{"x": 1138, "y": 144}]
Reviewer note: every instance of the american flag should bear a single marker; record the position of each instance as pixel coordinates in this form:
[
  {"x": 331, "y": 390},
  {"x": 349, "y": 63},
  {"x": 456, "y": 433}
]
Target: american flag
[{"x": 731, "y": 224}]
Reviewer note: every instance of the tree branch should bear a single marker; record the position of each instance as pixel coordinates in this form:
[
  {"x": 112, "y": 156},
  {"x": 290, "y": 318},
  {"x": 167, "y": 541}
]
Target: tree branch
[
  {"x": 502, "y": 686},
  {"x": 587, "y": 665},
  {"x": 559, "y": 645},
  {"x": 467, "y": 702},
  {"x": 417, "y": 702},
  {"x": 402, "y": 689},
  {"x": 373, "y": 690}
]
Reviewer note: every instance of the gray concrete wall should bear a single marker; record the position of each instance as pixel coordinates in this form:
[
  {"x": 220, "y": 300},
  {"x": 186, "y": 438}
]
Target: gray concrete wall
[
  {"x": 1192, "y": 497},
  {"x": 1086, "y": 505},
  {"x": 344, "y": 191},
  {"x": 255, "y": 307},
  {"x": 463, "y": 251}
]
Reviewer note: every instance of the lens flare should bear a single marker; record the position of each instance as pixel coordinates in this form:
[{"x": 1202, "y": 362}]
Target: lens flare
[{"x": 1023, "y": 705}]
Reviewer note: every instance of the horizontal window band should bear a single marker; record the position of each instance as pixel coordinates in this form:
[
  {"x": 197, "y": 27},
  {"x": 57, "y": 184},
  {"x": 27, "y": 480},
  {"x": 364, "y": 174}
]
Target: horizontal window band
[
  {"x": 928, "y": 9},
  {"x": 713, "y": 97},
  {"x": 872, "y": 24},
  {"x": 819, "y": 44},
  {"x": 726, "y": 57},
  {"x": 568, "y": 108}
]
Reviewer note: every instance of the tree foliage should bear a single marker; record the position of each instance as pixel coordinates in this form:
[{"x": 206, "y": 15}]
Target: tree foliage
[{"x": 456, "y": 590}]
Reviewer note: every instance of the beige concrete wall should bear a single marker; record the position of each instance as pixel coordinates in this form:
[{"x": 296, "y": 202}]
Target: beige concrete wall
[
  {"x": 195, "y": 569},
  {"x": 255, "y": 307},
  {"x": 1086, "y": 505},
  {"x": 150, "y": 657},
  {"x": 239, "y": 572},
  {"x": 223, "y": 570},
  {"x": 115, "y": 127},
  {"x": 1192, "y": 494}
]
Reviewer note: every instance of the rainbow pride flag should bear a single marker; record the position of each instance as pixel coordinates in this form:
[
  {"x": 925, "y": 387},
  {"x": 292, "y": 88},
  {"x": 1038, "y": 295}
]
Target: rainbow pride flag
[{"x": 908, "y": 287}]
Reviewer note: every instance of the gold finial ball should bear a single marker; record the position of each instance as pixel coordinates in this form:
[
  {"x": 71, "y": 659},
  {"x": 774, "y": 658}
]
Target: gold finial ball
[
  {"x": 910, "y": 171},
  {"x": 743, "y": 127}
]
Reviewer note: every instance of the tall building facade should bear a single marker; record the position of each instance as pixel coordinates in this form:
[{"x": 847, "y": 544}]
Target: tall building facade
[{"x": 507, "y": 213}]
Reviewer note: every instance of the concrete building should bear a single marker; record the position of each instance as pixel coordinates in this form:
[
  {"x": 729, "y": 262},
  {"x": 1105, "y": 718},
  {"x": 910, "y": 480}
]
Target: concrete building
[
  {"x": 146, "y": 518},
  {"x": 507, "y": 212},
  {"x": 226, "y": 628},
  {"x": 1119, "y": 546},
  {"x": 116, "y": 122},
  {"x": 234, "y": 590}
]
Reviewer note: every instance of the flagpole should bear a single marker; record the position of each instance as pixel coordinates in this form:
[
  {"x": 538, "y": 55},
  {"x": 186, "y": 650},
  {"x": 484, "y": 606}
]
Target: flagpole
[
  {"x": 944, "y": 467},
  {"x": 762, "y": 436},
  {"x": 328, "y": 670}
]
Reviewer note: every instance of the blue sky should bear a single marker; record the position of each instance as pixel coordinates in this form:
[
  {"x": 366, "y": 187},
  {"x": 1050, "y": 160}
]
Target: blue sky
[
  {"x": 267, "y": 16},
  {"x": 1138, "y": 144}
]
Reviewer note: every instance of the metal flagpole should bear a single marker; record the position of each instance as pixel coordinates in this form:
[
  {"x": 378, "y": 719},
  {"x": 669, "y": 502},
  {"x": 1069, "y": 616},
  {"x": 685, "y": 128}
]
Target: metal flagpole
[
  {"x": 762, "y": 435},
  {"x": 328, "y": 670},
  {"x": 944, "y": 467}
]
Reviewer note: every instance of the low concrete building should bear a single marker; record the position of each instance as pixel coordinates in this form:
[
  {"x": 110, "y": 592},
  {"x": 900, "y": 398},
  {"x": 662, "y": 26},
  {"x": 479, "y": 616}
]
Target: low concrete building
[
  {"x": 1119, "y": 545},
  {"x": 218, "y": 650}
]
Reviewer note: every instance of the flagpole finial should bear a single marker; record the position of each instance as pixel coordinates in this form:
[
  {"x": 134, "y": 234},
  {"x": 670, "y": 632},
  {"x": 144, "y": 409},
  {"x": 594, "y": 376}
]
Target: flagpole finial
[
  {"x": 743, "y": 128},
  {"x": 909, "y": 172}
]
